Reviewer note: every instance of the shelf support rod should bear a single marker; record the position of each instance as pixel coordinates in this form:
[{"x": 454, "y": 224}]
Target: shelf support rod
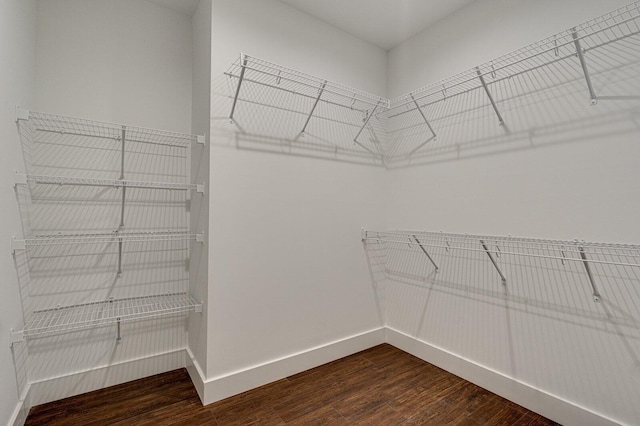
[
  {"x": 486, "y": 249},
  {"x": 583, "y": 63},
  {"x": 119, "y": 337},
  {"x": 425, "y": 252},
  {"x": 366, "y": 121},
  {"x": 486, "y": 89},
  {"x": 123, "y": 136},
  {"x": 243, "y": 59},
  {"x": 312, "y": 109},
  {"x": 414, "y": 150},
  {"x": 585, "y": 262},
  {"x": 424, "y": 117}
]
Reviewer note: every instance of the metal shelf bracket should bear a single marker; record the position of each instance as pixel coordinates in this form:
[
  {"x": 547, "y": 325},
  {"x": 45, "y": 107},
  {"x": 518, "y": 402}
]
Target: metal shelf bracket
[
  {"x": 486, "y": 249},
  {"x": 583, "y": 63},
  {"x": 426, "y": 253},
  {"x": 493, "y": 103},
  {"x": 22, "y": 114},
  {"x": 17, "y": 244},
  {"x": 15, "y": 337},
  {"x": 596, "y": 294}
]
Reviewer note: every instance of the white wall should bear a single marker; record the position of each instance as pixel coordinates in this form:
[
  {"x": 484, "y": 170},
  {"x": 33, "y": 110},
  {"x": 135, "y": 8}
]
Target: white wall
[
  {"x": 581, "y": 185},
  {"x": 201, "y": 108},
  {"x": 286, "y": 271},
  {"x": 119, "y": 61},
  {"x": 17, "y": 73}
]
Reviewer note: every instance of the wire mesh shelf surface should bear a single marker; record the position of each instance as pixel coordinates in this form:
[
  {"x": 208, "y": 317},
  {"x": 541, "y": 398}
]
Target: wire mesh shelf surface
[
  {"x": 54, "y": 123},
  {"x": 564, "y": 251},
  {"x": 598, "y": 60},
  {"x": 89, "y": 315},
  {"x": 114, "y": 237},
  {"x": 116, "y": 183}
]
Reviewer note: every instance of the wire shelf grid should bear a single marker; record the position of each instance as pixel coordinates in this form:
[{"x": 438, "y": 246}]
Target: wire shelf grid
[
  {"x": 96, "y": 314},
  {"x": 114, "y": 237},
  {"x": 116, "y": 183},
  {"x": 61, "y": 124},
  {"x": 564, "y": 251},
  {"x": 277, "y": 102},
  {"x": 534, "y": 87}
]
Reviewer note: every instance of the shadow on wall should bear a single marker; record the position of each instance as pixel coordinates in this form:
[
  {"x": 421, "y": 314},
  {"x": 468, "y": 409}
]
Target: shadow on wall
[{"x": 541, "y": 326}]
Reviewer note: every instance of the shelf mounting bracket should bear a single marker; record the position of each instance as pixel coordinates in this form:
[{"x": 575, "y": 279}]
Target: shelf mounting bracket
[
  {"x": 366, "y": 121},
  {"x": 486, "y": 89},
  {"x": 425, "y": 252},
  {"x": 16, "y": 337},
  {"x": 22, "y": 114},
  {"x": 243, "y": 59},
  {"x": 17, "y": 244},
  {"x": 19, "y": 179},
  {"x": 583, "y": 63},
  {"x": 313, "y": 108},
  {"x": 486, "y": 249},
  {"x": 585, "y": 262},
  {"x": 424, "y": 117}
]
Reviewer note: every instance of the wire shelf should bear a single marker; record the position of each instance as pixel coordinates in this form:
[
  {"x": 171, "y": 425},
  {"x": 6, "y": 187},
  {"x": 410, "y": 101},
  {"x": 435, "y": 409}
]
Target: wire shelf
[
  {"x": 116, "y": 183},
  {"x": 273, "y": 101},
  {"x": 565, "y": 251},
  {"x": 115, "y": 237},
  {"x": 537, "y": 86},
  {"x": 536, "y": 271},
  {"x": 54, "y": 123},
  {"x": 97, "y": 314}
]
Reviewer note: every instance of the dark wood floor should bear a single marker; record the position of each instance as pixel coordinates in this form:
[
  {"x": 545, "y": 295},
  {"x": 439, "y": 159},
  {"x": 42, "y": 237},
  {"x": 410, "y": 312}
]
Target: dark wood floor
[{"x": 379, "y": 386}]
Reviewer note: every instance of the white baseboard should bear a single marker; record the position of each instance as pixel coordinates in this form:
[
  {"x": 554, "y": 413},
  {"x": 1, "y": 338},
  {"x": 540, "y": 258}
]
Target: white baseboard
[
  {"x": 19, "y": 416},
  {"x": 54, "y": 388},
  {"x": 548, "y": 405},
  {"x": 217, "y": 388},
  {"x": 221, "y": 387},
  {"x": 195, "y": 373}
]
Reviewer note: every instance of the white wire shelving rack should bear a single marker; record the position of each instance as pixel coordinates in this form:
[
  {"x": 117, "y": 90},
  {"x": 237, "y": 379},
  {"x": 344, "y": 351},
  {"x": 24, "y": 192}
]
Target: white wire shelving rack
[
  {"x": 149, "y": 172},
  {"x": 542, "y": 84},
  {"x": 48, "y": 138},
  {"x": 64, "y": 319},
  {"x": 611, "y": 263},
  {"x": 298, "y": 109},
  {"x": 112, "y": 238}
]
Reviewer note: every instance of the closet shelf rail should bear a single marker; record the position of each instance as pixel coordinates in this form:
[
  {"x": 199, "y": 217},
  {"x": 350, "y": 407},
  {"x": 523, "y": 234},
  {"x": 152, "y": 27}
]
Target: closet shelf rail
[
  {"x": 499, "y": 250},
  {"x": 64, "y": 125},
  {"x": 564, "y": 251},
  {"x": 103, "y": 313},
  {"x": 21, "y": 179},
  {"x": 114, "y": 237}
]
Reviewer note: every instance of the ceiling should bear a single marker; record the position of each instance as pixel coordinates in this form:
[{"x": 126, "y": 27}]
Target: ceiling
[
  {"x": 186, "y": 7},
  {"x": 384, "y": 23}
]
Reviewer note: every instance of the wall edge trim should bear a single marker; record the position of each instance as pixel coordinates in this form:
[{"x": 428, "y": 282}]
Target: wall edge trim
[
  {"x": 233, "y": 383},
  {"x": 544, "y": 403}
]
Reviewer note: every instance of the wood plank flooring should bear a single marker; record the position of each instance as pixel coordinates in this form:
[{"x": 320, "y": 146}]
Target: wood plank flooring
[{"x": 379, "y": 386}]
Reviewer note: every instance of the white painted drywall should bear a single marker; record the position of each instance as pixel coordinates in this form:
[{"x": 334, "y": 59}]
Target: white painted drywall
[
  {"x": 17, "y": 76},
  {"x": 287, "y": 272},
  {"x": 119, "y": 61},
  {"x": 584, "y": 185}
]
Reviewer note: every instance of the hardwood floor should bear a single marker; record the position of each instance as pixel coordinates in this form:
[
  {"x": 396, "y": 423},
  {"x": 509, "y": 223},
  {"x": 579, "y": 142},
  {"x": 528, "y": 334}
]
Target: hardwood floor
[{"x": 379, "y": 386}]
